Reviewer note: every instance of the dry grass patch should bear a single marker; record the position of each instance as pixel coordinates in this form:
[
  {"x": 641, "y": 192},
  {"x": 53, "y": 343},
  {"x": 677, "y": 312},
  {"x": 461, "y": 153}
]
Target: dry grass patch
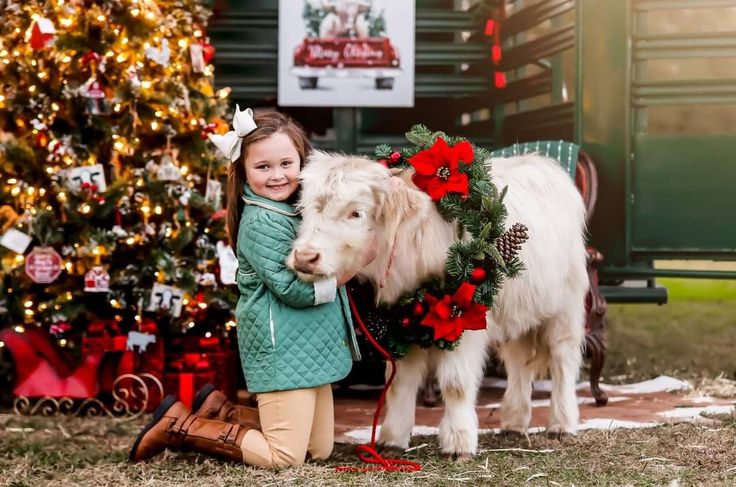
[{"x": 45, "y": 451}]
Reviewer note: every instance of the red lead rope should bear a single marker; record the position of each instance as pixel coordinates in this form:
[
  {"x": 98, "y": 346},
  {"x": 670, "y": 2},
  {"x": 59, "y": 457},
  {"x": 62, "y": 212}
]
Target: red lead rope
[{"x": 368, "y": 453}]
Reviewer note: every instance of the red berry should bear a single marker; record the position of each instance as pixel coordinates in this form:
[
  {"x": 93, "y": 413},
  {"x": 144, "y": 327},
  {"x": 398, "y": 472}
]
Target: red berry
[
  {"x": 418, "y": 308},
  {"x": 395, "y": 156},
  {"x": 405, "y": 322},
  {"x": 478, "y": 274}
]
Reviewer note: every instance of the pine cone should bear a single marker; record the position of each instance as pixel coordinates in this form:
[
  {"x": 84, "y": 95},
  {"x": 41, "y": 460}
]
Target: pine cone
[{"x": 509, "y": 244}]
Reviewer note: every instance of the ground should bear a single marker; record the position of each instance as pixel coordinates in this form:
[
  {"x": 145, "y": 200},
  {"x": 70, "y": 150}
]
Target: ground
[{"x": 693, "y": 337}]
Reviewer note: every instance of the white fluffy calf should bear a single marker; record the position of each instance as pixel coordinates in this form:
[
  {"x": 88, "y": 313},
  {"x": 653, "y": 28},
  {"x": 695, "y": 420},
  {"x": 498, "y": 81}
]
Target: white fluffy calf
[{"x": 537, "y": 325}]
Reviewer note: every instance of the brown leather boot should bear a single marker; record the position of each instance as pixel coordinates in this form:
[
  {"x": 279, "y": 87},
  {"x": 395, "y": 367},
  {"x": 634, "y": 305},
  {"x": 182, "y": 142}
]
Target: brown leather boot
[
  {"x": 175, "y": 428},
  {"x": 212, "y": 404}
]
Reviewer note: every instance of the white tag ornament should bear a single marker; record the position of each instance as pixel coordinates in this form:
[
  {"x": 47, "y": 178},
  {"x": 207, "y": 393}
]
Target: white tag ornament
[
  {"x": 166, "y": 298},
  {"x": 15, "y": 240},
  {"x": 228, "y": 263},
  {"x": 213, "y": 193},
  {"x": 93, "y": 175}
]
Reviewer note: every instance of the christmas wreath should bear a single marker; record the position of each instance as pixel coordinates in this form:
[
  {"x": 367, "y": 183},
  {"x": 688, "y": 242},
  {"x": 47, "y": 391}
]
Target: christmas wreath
[{"x": 454, "y": 174}]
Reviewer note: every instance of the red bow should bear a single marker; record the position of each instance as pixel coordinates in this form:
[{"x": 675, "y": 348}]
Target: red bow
[
  {"x": 438, "y": 169},
  {"x": 454, "y": 314}
]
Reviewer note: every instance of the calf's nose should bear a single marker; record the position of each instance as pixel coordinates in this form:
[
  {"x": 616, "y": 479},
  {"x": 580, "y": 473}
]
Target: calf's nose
[{"x": 306, "y": 260}]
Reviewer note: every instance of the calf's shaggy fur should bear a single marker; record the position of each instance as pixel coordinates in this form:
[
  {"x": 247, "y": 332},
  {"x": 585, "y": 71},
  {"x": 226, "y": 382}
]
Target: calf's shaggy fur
[{"x": 537, "y": 325}]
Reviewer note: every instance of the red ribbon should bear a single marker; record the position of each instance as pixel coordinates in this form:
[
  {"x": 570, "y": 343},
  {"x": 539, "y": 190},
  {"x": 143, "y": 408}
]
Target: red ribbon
[{"x": 368, "y": 453}]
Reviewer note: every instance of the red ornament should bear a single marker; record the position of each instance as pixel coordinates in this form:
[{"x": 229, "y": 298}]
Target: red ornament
[
  {"x": 478, "y": 275},
  {"x": 452, "y": 315},
  {"x": 394, "y": 157},
  {"x": 438, "y": 169},
  {"x": 405, "y": 322},
  {"x": 208, "y": 51},
  {"x": 490, "y": 27},
  {"x": 418, "y": 308},
  {"x": 43, "y": 33},
  {"x": 208, "y": 129},
  {"x": 43, "y": 265}
]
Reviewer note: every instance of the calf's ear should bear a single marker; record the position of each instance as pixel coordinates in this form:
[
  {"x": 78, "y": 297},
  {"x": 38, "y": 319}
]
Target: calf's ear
[{"x": 398, "y": 201}]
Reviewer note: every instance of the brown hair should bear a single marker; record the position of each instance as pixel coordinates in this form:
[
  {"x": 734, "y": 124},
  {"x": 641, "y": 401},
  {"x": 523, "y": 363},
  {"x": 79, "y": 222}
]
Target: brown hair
[{"x": 267, "y": 123}]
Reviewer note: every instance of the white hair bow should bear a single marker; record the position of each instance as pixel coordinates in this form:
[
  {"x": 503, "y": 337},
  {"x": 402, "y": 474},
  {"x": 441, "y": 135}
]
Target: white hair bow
[{"x": 230, "y": 143}]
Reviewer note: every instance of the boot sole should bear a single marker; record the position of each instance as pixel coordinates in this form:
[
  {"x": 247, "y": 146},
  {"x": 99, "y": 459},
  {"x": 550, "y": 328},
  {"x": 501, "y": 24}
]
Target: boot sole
[
  {"x": 165, "y": 405},
  {"x": 202, "y": 394}
]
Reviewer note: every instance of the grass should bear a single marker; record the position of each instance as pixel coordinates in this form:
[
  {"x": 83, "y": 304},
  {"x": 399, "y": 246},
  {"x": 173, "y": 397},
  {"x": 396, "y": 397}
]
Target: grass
[
  {"x": 692, "y": 337},
  {"x": 63, "y": 452}
]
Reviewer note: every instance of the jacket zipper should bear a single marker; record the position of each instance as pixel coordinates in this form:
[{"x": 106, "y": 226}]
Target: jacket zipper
[{"x": 271, "y": 327}]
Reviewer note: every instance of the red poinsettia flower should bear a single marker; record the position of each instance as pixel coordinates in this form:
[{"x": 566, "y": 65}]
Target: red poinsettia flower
[
  {"x": 452, "y": 315},
  {"x": 438, "y": 170}
]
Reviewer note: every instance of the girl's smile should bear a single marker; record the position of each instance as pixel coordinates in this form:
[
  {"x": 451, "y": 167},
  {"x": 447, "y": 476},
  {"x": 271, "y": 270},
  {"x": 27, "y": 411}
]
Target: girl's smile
[{"x": 272, "y": 167}]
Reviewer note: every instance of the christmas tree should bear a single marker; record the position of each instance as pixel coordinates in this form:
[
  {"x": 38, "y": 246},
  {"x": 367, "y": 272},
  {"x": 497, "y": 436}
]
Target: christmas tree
[{"x": 110, "y": 193}]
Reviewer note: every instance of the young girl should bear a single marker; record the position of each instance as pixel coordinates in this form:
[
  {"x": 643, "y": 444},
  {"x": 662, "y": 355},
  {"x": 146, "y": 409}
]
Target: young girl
[{"x": 295, "y": 338}]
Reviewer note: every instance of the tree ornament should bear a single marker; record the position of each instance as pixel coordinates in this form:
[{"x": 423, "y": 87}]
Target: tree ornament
[
  {"x": 42, "y": 34},
  {"x": 43, "y": 265},
  {"x": 166, "y": 298},
  {"x": 97, "y": 280},
  {"x": 159, "y": 56},
  {"x": 167, "y": 170},
  {"x": 228, "y": 263},
  {"x": 201, "y": 54},
  {"x": 478, "y": 275},
  {"x": 419, "y": 308},
  {"x": 96, "y": 102},
  {"x": 405, "y": 322},
  {"x": 82, "y": 178},
  {"x": 509, "y": 244}
]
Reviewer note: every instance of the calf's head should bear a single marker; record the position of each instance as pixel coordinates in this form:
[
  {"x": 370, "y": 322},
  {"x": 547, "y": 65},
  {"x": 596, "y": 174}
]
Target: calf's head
[{"x": 347, "y": 204}]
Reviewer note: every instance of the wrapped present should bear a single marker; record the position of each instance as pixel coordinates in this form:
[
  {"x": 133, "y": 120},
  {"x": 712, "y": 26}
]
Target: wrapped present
[
  {"x": 139, "y": 352},
  {"x": 188, "y": 372},
  {"x": 103, "y": 336},
  {"x": 220, "y": 352}
]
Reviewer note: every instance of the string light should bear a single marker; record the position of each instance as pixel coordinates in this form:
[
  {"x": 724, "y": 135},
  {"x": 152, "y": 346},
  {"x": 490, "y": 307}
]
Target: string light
[{"x": 62, "y": 342}]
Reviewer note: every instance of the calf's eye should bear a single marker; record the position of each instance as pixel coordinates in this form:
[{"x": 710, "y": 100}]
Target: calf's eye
[{"x": 356, "y": 214}]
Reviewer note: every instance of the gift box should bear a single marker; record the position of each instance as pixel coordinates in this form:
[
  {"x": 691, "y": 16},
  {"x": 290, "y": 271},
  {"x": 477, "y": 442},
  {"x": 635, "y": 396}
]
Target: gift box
[
  {"x": 103, "y": 336},
  {"x": 220, "y": 353},
  {"x": 139, "y": 352},
  {"x": 188, "y": 373}
]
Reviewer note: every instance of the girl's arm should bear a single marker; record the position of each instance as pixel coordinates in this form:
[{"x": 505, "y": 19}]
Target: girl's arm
[{"x": 265, "y": 242}]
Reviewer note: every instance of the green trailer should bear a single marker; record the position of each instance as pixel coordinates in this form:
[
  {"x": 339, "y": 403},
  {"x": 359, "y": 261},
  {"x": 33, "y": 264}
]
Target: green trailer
[{"x": 604, "y": 74}]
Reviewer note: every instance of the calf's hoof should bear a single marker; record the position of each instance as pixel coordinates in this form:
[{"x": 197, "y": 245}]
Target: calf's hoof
[
  {"x": 391, "y": 449},
  {"x": 458, "y": 457}
]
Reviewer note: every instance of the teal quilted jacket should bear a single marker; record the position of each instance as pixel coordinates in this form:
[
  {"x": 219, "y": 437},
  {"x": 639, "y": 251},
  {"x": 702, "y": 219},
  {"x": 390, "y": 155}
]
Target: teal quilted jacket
[{"x": 286, "y": 341}]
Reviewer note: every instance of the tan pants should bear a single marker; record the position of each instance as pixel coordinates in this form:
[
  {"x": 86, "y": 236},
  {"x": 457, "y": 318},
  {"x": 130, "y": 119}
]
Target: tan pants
[{"x": 293, "y": 423}]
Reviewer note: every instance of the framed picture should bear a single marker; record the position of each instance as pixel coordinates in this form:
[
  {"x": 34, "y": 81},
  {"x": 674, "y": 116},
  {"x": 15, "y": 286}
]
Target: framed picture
[{"x": 346, "y": 53}]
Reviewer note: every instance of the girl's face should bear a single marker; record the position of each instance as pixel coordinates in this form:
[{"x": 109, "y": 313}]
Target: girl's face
[{"x": 272, "y": 167}]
